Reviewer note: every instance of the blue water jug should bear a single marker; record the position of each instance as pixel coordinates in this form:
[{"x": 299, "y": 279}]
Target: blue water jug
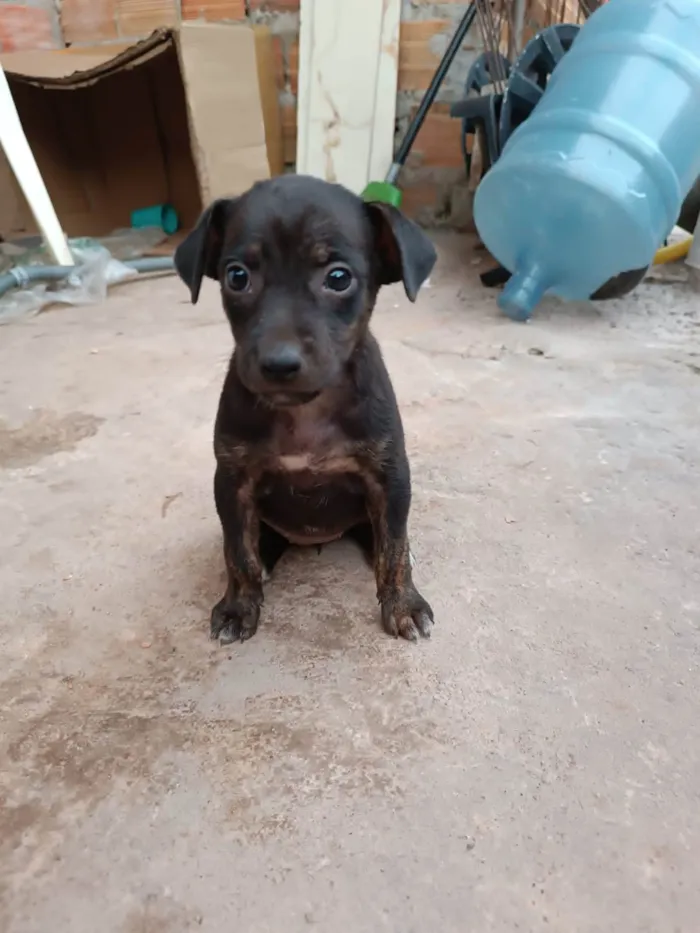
[{"x": 593, "y": 181}]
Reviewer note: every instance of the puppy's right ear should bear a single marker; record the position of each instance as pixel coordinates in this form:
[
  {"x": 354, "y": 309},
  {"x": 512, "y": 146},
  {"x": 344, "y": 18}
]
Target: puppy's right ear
[
  {"x": 199, "y": 253},
  {"x": 404, "y": 253}
]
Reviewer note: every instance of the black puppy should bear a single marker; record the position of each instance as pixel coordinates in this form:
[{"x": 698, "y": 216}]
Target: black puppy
[{"x": 308, "y": 438}]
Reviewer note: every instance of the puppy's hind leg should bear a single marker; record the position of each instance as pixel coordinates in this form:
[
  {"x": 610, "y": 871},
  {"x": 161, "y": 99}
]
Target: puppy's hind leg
[
  {"x": 363, "y": 536},
  {"x": 271, "y": 548}
]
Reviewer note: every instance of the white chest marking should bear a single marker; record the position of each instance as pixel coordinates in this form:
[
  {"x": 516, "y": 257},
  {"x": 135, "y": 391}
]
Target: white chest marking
[
  {"x": 292, "y": 462},
  {"x": 331, "y": 462},
  {"x": 308, "y": 439}
]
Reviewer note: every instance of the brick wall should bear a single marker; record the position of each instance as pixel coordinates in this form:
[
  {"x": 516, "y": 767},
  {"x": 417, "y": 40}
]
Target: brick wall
[
  {"x": 29, "y": 24},
  {"x": 433, "y": 181}
]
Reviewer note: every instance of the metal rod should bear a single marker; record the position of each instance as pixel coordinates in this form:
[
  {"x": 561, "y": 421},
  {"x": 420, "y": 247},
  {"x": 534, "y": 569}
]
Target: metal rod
[
  {"x": 487, "y": 42},
  {"x": 496, "y": 34}
]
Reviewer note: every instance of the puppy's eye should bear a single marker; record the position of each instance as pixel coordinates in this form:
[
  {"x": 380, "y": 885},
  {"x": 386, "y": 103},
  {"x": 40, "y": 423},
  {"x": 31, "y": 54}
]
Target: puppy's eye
[
  {"x": 338, "y": 279},
  {"x": 237, "y": 277}
]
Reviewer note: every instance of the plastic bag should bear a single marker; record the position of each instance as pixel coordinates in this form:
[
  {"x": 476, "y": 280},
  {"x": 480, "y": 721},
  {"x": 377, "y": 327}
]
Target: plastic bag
[
  {"x": 96, "y": 270},
  {"x": 130, "y": 243}
]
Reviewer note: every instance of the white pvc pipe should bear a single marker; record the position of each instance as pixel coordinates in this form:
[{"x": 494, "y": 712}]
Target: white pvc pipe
[{"x": 27, "y": 173}]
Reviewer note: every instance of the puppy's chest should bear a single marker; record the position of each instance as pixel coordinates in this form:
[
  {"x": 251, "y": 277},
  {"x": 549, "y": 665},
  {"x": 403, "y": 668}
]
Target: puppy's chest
[
  {"x": 307, "y": 442},
  {"x": 311, "y": 489}
]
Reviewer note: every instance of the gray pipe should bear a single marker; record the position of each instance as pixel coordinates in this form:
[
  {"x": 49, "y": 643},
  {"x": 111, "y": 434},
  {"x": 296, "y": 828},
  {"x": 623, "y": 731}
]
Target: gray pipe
[
  {"x": 152, "y": 264},
  {"x": 22, "y": 276}
]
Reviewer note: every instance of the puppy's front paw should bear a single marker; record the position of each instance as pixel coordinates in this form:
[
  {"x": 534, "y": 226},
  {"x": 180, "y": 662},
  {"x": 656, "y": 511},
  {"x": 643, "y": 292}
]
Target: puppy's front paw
[
  {"x": 406, "y": 614},
  {"x": 235, "y": 620}
]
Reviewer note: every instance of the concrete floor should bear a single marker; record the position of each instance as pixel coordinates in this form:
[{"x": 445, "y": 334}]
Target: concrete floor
[{"x": 535, "y": 766}]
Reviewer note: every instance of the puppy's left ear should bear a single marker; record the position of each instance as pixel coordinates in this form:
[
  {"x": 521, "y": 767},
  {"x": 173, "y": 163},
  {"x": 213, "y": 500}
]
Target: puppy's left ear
[
  {"x": 199, "y": 253},
  {"x": 404, "y": 253}
]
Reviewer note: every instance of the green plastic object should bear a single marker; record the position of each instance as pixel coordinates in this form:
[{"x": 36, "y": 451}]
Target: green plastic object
[
  {"x": 384, "y": 192},
  {"x": 157, "y": 215}
]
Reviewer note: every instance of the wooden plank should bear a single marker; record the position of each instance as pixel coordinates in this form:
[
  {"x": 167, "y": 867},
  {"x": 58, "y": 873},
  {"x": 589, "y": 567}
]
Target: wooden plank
[{"x": 348, "y": 65}]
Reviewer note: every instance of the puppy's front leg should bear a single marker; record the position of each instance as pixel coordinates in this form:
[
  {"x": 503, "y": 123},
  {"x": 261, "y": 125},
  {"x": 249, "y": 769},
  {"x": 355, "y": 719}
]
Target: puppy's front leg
[
  {"x": 235, "y": 617},
  {"x": 404, "y": 611}
]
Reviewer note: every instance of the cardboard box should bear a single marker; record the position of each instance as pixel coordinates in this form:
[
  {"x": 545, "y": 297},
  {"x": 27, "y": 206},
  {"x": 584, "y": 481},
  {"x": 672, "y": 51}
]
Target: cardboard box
[{"x": 175, "y": 118}]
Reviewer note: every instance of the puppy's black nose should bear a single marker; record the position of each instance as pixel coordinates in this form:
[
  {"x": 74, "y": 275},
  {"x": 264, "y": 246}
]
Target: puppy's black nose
[{"x": 280, "y": 363}]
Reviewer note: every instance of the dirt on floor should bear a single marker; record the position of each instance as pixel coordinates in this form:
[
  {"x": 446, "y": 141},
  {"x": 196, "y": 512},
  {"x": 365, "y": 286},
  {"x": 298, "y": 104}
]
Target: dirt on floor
[{"x": 535, "y": 766}]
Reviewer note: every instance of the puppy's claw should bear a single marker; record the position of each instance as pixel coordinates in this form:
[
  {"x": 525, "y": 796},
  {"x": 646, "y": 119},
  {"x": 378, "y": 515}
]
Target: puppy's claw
[
  {"x": 408, "y": 630},
  {"x": 407, "y": 615},
  {"x": 226, "y": 636},
  {"x": 237, "y": 621},
  {"x": 424, "y": 621}
]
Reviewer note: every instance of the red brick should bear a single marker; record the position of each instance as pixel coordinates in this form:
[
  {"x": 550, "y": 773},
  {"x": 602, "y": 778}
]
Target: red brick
[
  {"x": 213, "y": 10},
  {"x": 24, "y": 27},
  {"x": 417, "y": 60},
  {"x": 274, "y": 6},
  {"x": 88, "y": 21},
  {"x": 439, "y": 143},
  {"x": 140, "y": 17},
  {"x": 419, "y": 198}
]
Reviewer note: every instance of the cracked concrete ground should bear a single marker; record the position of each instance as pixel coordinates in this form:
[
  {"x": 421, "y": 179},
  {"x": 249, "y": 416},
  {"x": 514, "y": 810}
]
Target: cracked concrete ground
[{"x": 535, "y": 766}]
